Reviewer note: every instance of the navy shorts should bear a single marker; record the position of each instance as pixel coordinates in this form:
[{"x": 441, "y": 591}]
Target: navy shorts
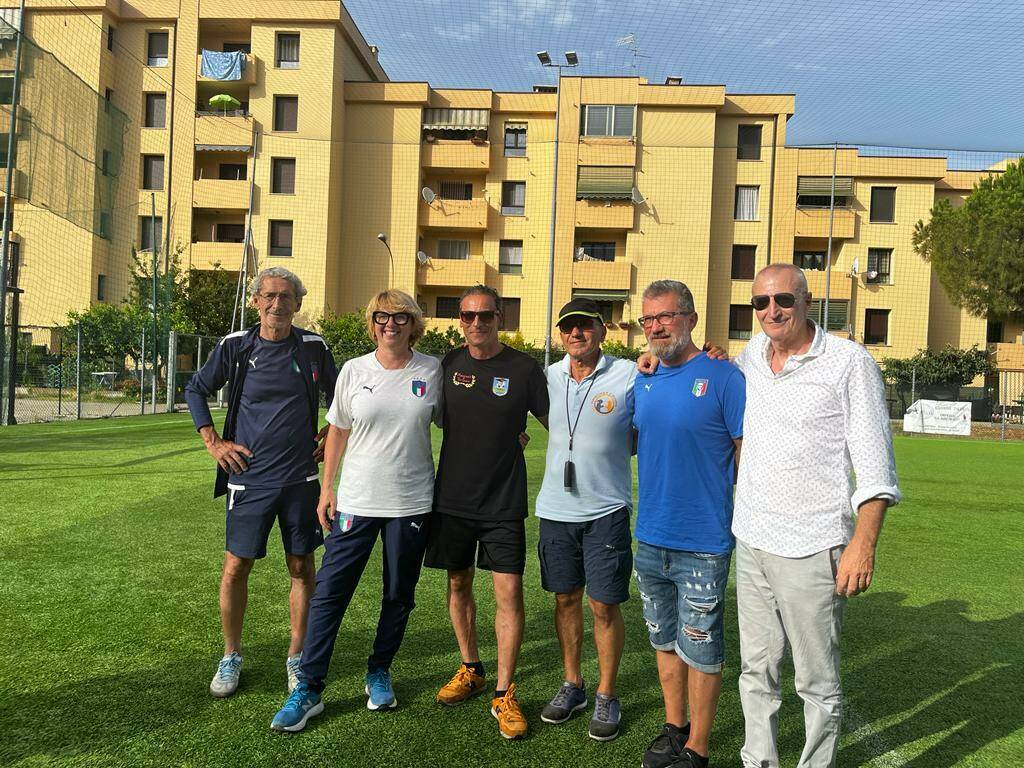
[
  {"x": 453, "y": 543},
  {"x": 596, "y": 553},
  {"x": 252, "y": 512}
]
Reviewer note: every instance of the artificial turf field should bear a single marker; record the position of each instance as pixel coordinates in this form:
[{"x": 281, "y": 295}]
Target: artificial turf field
[{"x": 110, "y": 550}]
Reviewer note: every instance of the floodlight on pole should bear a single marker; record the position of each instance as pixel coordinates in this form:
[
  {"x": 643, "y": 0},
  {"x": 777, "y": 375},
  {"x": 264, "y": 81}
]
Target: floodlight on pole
[
  {"x": 571, "y": 60},
  {"x": 384, "y": 239}
]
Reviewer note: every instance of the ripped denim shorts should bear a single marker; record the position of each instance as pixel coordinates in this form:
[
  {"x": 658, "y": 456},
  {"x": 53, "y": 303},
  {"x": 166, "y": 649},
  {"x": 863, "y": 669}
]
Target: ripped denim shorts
[{"x": 683, "y": 596}]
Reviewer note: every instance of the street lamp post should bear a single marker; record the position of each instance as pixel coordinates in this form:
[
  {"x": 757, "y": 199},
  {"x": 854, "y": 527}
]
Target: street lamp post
[
  {"x": 384, "y": 239},
  {"x": 571, "y": 60}
]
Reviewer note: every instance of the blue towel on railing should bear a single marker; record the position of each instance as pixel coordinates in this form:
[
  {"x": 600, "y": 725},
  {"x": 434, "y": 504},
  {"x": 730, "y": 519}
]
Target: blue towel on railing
[{"x": 221, "y": 65}]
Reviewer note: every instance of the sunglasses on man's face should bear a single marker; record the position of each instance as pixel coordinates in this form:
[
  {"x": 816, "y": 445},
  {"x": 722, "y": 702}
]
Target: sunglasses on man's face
[
  {"x": 570, "y": 324},
  {"x": 400, "y": 318},
  {"x": 486, "y": 316},
  {"x": 782, "y": 300}
]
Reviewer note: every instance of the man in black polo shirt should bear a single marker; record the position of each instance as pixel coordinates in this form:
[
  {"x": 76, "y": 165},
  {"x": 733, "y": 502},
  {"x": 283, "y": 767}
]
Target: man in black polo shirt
[{"x": 480, "y": 496}]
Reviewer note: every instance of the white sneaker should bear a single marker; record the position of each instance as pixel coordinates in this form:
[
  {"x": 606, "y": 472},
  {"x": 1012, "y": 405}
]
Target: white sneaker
[
  {"x": 291, "y": 665},
  {"x": 225, "y": 682}
]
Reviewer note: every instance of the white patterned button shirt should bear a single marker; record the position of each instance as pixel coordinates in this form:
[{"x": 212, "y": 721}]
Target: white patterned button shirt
[{"x": 816, "y": 445}]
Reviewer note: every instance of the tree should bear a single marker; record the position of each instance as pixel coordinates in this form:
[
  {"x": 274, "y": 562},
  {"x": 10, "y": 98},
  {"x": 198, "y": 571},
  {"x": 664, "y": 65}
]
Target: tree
[
  {"x": 947, "y": 367},
  {"x": 346, "y": 335},
  {"x": 435, "y": 342},
  {"x": 110, "y": 332},
  {"x": 209, "y": 300},
  {"x": 977, "y": 250}
]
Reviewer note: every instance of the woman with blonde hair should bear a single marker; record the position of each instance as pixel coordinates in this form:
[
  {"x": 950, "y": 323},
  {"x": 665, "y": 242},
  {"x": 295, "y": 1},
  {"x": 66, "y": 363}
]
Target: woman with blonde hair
[{"x": 380, "y": 418}]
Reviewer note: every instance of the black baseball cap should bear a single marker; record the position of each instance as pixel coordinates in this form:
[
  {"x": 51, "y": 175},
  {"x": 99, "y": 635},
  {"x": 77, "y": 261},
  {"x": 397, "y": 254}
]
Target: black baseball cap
[{"x": 584, "y": 307}]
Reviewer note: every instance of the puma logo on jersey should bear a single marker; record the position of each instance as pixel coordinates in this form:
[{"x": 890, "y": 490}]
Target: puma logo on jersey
[
  {"x": 417, "y": 526},
  {"x": 252, "y": 361},
  {"x": 369, "y": 389}
]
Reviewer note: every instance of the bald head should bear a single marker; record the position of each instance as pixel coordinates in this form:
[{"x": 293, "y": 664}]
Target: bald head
[
  {"x": 785, "y": 277},
  {"x": 781, "y": 291}
]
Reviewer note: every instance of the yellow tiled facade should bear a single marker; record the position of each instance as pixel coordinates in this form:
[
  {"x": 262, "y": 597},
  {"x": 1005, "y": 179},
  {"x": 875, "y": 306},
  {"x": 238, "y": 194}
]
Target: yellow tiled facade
[{"x": 683, "y": 181}]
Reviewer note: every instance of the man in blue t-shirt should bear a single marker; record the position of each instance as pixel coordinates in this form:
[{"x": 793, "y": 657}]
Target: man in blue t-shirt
[{"x": 689, "y": 415}]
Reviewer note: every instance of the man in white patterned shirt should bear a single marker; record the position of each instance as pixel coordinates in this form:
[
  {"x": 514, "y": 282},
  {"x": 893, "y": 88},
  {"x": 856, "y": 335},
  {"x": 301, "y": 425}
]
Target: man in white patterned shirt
[{"x": 816, "y": 447}]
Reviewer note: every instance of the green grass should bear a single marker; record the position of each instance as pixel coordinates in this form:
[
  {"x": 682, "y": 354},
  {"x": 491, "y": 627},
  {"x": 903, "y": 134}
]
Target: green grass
[{"x": 110, "y": 550}]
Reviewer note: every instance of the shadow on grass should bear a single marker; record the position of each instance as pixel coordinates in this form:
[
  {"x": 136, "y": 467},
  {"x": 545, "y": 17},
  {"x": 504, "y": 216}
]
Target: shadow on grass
[{"x": 944, "y": 677}]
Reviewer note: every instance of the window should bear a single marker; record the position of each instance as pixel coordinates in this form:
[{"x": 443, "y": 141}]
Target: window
[
  {"x": 447, "y": 306},
  {"x": 879, "y": 264},
  {"x": 513, "y": 198},
  {"x": 607, "y": 120},
  {"x": 232, "y": 172},
  {"x": 818, "y": 191},
  {"x": 229, "y": 233},
  {"x": 606, "y": 308},
  {"x": 838, "y": 313},
  {"x": 104, "y": 225},
  {"x": 510, "y": 257},
  {"x": 510, "y": 310},
  {"x": 152, "y": 171},
  {"x": 287, "y": 56},
  {"x": 282, "y": 176},
  {"x": 597, "y": 251},
  {"x": 453, "y": 249},
  {"x": 156, "y": 49},
  {"x": 147, "y": 236},
  {"x": 876, "y": 326},
  {"x": 233, "y": 47},
  {"x": 883, "y": 204},
  {"x": 741, "y": 321},
  {"x": 110, "y": 38},
  {"x": 101, "y": 287},
  {"x": 748, "y": 142},
  {"x": 7, "y": 86},
  {"x": 743, "y": 257},
  {"x": 105, "y": 162},
  {"x": 994, "y": 332},
  {"x": 286, "y": 113},
  {"x": 108, "y": 96},
  {"x": 156, "y": 110},
  {"x": 456, "y": 190},
  {"x": 813, "y": 260},
  {"x": 515, "y": 139},
  {"x": 280, "y": 238},
  {"x": 747, "y": 199}
]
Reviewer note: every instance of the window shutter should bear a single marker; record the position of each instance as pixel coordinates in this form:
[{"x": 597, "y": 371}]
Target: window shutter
[
  {"x": 604, "y": 182},
  {"x": 821, "y": 186}
]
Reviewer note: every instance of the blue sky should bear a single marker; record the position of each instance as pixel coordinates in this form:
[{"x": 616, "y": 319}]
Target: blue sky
[{"x": 942, "y": 74}]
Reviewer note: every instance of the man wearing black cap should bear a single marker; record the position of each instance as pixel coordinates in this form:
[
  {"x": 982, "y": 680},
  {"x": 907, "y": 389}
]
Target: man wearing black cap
[{"x": 584, "y": 507}]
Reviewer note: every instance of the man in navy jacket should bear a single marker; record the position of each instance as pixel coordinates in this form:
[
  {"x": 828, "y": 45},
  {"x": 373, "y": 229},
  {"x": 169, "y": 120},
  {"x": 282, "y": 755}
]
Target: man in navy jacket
[{"x": 266, "y": 456}]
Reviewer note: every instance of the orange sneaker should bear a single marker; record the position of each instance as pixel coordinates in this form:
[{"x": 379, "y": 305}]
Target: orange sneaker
[
  {"x": 511, "y": 721},
  {"x": 464, "y": 684}
]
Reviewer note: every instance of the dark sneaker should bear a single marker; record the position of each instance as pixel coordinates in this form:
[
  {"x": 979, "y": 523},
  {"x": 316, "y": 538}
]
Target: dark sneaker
[
  {"x": 666, "y": 747},
  {"x": 570, "y": 698},
  {"x": 604, "y": 725},
  {"x": 690, "y": 759}
]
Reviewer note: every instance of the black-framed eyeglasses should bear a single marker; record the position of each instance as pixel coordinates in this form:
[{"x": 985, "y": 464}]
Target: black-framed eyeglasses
[
  {"x": 663, "y": 318},
  {"x": 783, "y": 300},
  {"x": 486, "y": 316},
  {"x": 380, "y": 317},
  {"x": 284, "y": 298},
  {"x": 569, "y": 324}
]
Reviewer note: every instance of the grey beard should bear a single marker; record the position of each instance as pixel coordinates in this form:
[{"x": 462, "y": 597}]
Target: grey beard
[{"x": 667, "y": 349}]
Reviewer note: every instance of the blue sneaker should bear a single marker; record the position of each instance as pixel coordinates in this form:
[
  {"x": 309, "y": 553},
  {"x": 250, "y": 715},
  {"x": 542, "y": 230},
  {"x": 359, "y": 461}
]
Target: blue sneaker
[
  {"x": 303, "y": 704},
  {"x": 378, "y": 688}
]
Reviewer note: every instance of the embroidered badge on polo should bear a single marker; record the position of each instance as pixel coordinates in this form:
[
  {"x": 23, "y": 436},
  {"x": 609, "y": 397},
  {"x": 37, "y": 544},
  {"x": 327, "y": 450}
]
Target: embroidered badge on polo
[
  {"x": 499, "y": 386},
  {"x": 295, "y": 366},
  {"x": 419, "y": 388},
  {"x": 700, "y": 386},
  {"x": 466, "y": 380},
  {"x": 604, "y": 403},
  {"x": 345, "y": 523}
]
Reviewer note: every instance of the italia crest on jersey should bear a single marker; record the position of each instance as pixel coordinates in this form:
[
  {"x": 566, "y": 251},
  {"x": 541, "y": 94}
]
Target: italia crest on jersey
[
  {"x": 499, "y": 386},
  {"x": 345, "y": 523},
  {"x": 700, "y": 387},
  {"x": 419, "y": 388}
]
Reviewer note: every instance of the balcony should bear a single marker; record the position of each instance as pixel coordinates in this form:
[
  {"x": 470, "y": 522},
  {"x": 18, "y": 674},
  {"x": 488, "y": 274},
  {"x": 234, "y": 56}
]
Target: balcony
[
  {"x": 1007, "y": 355},
  {"x": 218, "y": 130},
  {"x": 220, "y": 193},
  {"x": 454, "y": 214},
  {"x": 813, "y": 222},
  {"x": 602, "y": 275},
  {"x": 248, "y": 73},
  {"x": 606, "y": 151},
  {"x": 604, "y": 214},
  {"x": 452, "y": 273},
  {"x": 206, "y": 254},
  {"x": 840, "y": 285},
  {"x": 457, "y": 155}
]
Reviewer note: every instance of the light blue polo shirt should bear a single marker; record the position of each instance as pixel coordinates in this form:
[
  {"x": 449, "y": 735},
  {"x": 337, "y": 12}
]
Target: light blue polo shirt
[{"x": 602, "y": 445}]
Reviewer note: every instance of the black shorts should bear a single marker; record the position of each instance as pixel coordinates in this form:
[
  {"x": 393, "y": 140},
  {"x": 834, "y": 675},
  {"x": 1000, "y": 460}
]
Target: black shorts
[
  {"x": 252, "y": 511},
  {"x": 496, "y": 545},
  {"x": 597, "y": 553}
]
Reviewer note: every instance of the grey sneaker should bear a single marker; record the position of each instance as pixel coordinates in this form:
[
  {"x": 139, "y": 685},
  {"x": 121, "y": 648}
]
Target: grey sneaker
[
  {"x": 604, "y": 725},
  {"x": 570, "y": 698},
  {"x": 291, "y": 665},
  {"x": 225, "y": 681}
]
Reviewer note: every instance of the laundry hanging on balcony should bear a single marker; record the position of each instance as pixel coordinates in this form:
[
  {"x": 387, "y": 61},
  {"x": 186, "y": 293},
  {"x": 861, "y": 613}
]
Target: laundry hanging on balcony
[{"x": 223, "y": 65}]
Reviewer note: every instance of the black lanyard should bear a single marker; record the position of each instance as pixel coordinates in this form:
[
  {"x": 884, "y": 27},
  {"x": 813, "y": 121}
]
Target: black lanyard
[{"x": 572, "y": 426}]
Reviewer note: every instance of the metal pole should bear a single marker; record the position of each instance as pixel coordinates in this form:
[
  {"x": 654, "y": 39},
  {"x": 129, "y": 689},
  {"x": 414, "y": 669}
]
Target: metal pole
[
  {"x": 78, "y": 372},
  {"x": 554, "y": 211},
  {"x": 60, "y": 372},
  {"x": 8, "y": 208},
  {"x": 15, "y": 292},
  {"x": 156, "y": 331},
  {"x": 142, "y": 375},
  {"x": 172, "y": 368},
  {"x": 828, "y": 251},
  {"x": 1002, "y": 425}
]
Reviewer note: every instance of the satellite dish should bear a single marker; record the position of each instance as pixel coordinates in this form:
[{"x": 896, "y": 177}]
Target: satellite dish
[
  {"x": 855, "y": 267},
  {"x": 421, "y": 257},
  {"x": 636, "y": 197},
  {"x": 872, "y": 275},
  {"x": 580, "y": 254},
  {"x": 428, "y": 195}
]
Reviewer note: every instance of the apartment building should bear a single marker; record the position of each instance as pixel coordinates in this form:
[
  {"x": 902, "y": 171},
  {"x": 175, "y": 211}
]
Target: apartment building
[{"x": 314, "y": 151}]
